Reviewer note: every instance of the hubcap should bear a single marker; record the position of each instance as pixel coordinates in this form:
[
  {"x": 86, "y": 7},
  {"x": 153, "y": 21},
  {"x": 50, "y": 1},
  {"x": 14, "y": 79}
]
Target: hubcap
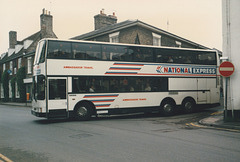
[
  {"x": 167, "y": 108},
  {"x": 188, "y": 105},
  {"x": 82, "y": 111}
]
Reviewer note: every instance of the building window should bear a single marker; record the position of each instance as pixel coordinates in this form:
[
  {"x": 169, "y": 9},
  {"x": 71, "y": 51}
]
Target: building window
[
  {"x": 156, "y": 39},
  {"x": 16, "y": 90},
  {"x": 4, "y": 67},
  {"x": 19, "y": 62},
  {"x": 114, "y": 37},
  {"x": 29, "y": 63},
  {"x": 11, "y": 67},
  {"x": 10, "y": 89},
  {"x": 178, "y": 44},
  {"x": 15, "y": 70},
  {"x": 2, "y": 93}
]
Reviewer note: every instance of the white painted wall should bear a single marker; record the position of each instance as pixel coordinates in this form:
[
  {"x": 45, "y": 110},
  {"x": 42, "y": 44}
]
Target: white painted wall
[{"x": 231, "y": 48}]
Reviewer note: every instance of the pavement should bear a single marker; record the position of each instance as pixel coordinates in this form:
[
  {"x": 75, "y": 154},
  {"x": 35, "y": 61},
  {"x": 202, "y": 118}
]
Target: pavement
[
  {"x": 214, "y": 120},
  {"x": 26, "y": 104},
  {"x": 217, "y": 120}
]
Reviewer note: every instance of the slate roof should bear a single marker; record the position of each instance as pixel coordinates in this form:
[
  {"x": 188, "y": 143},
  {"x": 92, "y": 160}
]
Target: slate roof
[
  {"x": 34, "y": 37},
  {"x": 25, "y": 52},
  {"x": 129, "y": 23},
  {"x": 106, "y": 29}
]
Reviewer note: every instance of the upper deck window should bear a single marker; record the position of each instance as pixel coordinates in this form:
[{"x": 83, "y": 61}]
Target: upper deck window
[
  {"x": 115, "y": 53},
  {"x": 85, "y": 51},
  {"x": 40, "y": 53},
  {"x": 142, "y": 54},
  {"x": 131, "y": 53},
  {"x": 59, "y": 50},
  {"x": 185, "y": 57},
  {"x": 206, "y": 58}
]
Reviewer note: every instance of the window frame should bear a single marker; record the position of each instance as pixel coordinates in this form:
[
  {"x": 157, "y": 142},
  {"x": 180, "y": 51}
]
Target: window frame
[
  {"x": 156, "y": 37},
  {"x": 114, "y": 37},
  {"x": 11, "y": 67},
  {"x": 29, "y": 65},
  {"x": 178, "y": 44},
  {"x": 19, "y": 63}
]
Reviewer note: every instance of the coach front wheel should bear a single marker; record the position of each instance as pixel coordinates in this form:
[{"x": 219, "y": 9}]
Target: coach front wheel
[{"x": 83, "y": 111}]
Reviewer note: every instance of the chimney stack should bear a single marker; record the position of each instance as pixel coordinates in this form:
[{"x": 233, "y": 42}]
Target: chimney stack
[
  {"x": 12, "y": 39},
  {"x": 102, "y": 20},
  {"x": 46, "y": 21}
]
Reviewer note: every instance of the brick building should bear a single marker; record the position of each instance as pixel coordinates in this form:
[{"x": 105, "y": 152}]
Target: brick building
[
  {"x": 21, "y": 53},
  {"x": 133, "y": 32}
]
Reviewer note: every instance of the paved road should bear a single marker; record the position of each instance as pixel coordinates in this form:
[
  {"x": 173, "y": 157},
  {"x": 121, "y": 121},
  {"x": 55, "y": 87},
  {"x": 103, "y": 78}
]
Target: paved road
[{"x": 139, "y": 138}]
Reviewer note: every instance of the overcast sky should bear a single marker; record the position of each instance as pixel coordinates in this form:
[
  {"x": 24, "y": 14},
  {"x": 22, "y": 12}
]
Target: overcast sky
[{"x": 197, "y": 20}]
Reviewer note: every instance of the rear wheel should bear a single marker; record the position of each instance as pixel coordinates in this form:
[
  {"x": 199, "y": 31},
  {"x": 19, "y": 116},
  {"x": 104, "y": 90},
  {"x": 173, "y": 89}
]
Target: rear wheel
[
  {"x": 168, "y": 107},
  {"x": 83, "y": 111},
  {"x": 189, "y": 105}
]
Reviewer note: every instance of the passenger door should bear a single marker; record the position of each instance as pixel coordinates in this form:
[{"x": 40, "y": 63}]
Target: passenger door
[{"x": 57, "y": 96}]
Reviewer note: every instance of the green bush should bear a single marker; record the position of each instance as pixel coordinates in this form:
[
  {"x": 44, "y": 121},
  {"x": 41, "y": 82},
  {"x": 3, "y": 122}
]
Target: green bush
[{"x": 21, "y": 86}]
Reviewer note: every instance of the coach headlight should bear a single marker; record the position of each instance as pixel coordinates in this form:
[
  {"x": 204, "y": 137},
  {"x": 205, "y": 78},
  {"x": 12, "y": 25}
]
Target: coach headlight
[{"x": 37, "y": 109}]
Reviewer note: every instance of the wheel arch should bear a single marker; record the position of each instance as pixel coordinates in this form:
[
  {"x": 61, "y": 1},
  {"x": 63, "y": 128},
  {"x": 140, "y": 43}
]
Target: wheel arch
[
  {"x": 188, "y": 98},
  {"x": 168, "y": 99}
]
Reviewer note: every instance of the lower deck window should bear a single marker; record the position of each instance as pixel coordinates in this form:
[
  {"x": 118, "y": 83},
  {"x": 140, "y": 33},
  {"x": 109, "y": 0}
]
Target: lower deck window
[{"x": 85, "y": 84}]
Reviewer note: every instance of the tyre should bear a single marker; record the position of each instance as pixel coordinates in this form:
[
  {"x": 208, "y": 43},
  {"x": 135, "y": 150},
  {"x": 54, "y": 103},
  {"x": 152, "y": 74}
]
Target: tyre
[
  {"x": 188, "y": 105},
  {"x": 168, "y": 107},
  {"x": 83, "y": 111}
]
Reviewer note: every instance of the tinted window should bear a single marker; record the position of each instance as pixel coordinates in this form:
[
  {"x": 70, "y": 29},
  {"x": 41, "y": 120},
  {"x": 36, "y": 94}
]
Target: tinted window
[
  {"x": 40, "y": 88},
  {"x": 165, "y": 56},
  {"x": 173, "y": 56},
  {"x": 185, "y": 57},
  {"x": 42, "y": 56},
  {"x": 88, "y": 51},
  {"x": 57, "y": 89},
  {"x": 79, "y": 51},
  {"x": 85, "y": 51},
  {"x": 115, "y": 53},
  {"x": 206, "y": 58},
  {"x": 40, "y": 52},
  {"x": 142, "y": 54},
  {"x": 119, "y": 84},
  {"x": 59, "y": 50}
]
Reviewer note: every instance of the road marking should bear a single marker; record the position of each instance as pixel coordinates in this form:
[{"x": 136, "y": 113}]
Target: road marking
[
  {"x": 210, "y": 127},
  {"x": 226, "y": 129},
  {"x": 5, "y": 158},
  {"x": 217, "y": 113},
  {"x": 195, "y": 125}
]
